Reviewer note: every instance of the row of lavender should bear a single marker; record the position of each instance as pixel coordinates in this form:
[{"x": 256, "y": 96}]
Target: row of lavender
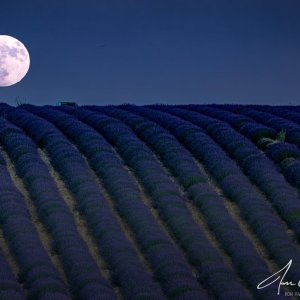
[
  {"x": 289, "y": 119},
  {"x": 167, "y": 198},
  {"x": 227, "y": 242},
  {"x": 233, "y": 182},
  {"x": 290, "y": 112},
  {"x": 167, "y": 255},
  {"x": 85, "y": 279},
  {"x": 285, "y": 155},
  {"x": 9, "y": 287},
  {"x": 170, "y": 268},
  {"x": 180, "y": 162},
  {"x": 121, "y": 258},
  {"x": 37, "y": 273},
  {"x": 253, "y": 162},
  {"x": 274, "y": 117}
]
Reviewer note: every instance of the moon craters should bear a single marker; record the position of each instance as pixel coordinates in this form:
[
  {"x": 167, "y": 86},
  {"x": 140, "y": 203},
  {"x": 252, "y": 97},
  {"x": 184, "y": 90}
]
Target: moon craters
[{"x": 14, "y": 60}]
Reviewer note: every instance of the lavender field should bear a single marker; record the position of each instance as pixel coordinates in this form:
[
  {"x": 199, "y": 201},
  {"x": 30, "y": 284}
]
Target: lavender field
[{"x": 151, "y": 202}]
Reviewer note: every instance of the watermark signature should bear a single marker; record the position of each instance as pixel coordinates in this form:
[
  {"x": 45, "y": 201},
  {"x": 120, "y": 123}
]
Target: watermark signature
[{"x": 279, "y": 277}]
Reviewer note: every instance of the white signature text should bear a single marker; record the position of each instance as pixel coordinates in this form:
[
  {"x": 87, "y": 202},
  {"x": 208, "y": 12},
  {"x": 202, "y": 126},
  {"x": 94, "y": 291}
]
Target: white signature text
[{"x": 278, "y": 276}]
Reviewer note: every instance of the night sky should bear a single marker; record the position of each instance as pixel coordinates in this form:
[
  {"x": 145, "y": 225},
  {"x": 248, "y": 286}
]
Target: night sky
[{"x": 137, "y": 51}]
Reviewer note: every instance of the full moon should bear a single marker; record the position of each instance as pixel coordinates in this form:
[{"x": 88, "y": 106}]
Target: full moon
[{"x": 14, "y": 60}]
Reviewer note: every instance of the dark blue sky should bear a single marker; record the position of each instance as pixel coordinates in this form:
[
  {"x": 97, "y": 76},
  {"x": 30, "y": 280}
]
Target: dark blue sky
[{"x": 138, "y": 51}]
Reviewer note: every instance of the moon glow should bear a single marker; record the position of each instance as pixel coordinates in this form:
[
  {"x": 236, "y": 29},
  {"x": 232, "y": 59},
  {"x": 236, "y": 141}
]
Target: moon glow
[{"x": 14, "y": 60}]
